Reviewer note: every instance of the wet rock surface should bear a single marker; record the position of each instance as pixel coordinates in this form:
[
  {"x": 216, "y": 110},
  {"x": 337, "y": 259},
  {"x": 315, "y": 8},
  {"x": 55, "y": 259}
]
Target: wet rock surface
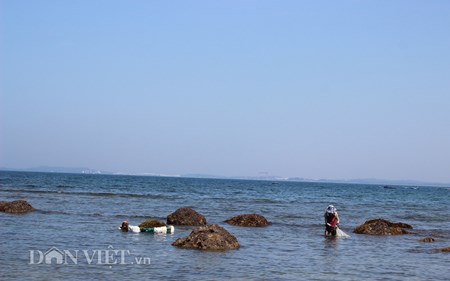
[
  {"x": 210, "y": 237},
  {"x": 444, "y": 250},
  {"x": 427, "y": 240},
  {"x": 382, "y": 227},
  {"x": 248, "y": 220},
  {"x": 151, "y": 224},
  {"x": 16, "y": 207},
  {"x": 186, "y": 216}
]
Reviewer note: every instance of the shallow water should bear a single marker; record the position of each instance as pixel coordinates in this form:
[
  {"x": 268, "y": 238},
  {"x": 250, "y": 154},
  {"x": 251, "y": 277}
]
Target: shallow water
[{"x": 79, "y": 213}]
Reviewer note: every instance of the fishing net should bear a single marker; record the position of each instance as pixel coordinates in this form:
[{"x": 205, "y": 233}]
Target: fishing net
[{"x": 340, "y": 233}]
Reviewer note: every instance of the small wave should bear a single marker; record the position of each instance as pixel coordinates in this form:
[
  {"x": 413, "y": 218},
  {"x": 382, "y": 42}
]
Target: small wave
[
  {"x": 101, "y": 194},
  {"x": 423, "y": 218},
  {"x": 265, "y": 200},
  {"x": 121, "y": 216},
  {"x": 124, "y": 216},
  {"x": 439, "y": 234},
  {"x": 296, "y": 225},
  {"x": 64, "y": 186},
  {"x": 6, "y": 180},
  {"x": 420, "y": 250},
  {"x": 411, "y": 187},
  {"x": 51, "y": 212}
]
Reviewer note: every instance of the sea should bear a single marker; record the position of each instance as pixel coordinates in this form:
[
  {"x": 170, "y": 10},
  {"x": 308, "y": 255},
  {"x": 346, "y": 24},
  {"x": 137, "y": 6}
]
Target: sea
[{"x": 74, "y": 235}]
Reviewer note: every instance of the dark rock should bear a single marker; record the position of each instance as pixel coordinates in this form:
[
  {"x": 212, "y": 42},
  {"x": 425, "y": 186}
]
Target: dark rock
[
  {"x": 151, "y": 224},
  {"x": 186, "y": 216},
  {"x": 210, "y": 237},
  {"x": 249, "y": 220},
  {"x": 16, "y": 207},
  {"x": 444, "y": 250},
  {"x": 402, "y": 225},
  {"x": 427, "y": 240},
  {"x": 382, "y": 227}
]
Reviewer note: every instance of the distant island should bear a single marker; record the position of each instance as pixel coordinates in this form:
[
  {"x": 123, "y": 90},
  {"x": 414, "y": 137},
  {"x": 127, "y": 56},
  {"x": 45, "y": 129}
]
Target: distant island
[{"x": 83, "y": 170}]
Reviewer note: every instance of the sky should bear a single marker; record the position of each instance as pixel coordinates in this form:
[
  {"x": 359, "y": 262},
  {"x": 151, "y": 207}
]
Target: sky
[{"x": 312, "y": 89}]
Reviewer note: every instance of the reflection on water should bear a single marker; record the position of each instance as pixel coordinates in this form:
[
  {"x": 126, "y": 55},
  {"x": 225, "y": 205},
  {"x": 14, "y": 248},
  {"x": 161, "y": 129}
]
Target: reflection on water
[{"x": 331, "y": 243}]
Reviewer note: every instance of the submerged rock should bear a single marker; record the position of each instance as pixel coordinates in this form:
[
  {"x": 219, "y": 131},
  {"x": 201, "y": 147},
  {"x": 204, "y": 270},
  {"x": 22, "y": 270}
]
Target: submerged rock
[
  {"x": 186, "y": 216},
  {"x": 151, "y": 224},
  {"x": 382, "y": 227},
  {"x": 444, "y": 250},
  {"x": 427, "y": 240},
  {"x": 16, "y": 207},
  {"x": 248, "y": 220},
  {"x": 210, "y": 237}
]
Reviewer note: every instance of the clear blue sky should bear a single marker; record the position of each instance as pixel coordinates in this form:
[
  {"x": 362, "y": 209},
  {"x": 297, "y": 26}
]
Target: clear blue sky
[{"x": 314, "y": 89}]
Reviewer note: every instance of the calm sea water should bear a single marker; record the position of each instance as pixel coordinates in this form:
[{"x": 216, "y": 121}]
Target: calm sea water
[{"x": 79, "y": 214}]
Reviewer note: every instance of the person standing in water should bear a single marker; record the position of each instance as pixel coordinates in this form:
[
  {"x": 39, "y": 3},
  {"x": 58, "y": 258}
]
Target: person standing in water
[
  {"x": 331, "y": 221},
  {"x": 124, "y": 227}
]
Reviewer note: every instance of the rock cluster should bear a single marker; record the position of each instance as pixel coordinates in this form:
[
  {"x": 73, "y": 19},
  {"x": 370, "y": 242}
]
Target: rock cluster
[
  {"x": 210, "y": 237},
  {"x": 16, "y": 207},
  {"x": 186, "y": 216},
  {"x": 382, "y": 227},
  {"x": 248, "y": 220}
]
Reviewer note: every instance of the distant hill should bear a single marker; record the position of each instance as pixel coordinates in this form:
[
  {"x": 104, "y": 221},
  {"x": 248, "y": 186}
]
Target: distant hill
[{"x": 46, "y": 169}]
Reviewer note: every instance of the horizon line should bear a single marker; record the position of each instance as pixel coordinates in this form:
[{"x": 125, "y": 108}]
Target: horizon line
[{"x": 88, "y": 171}]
